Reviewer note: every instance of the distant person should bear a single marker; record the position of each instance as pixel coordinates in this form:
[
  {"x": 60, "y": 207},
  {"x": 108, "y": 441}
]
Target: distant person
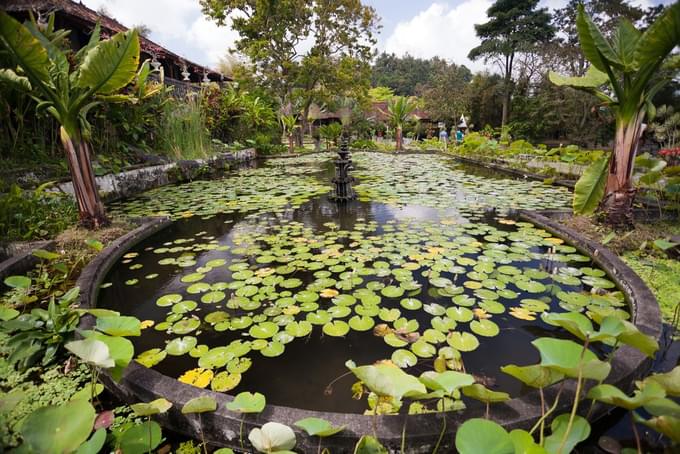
[
  {"x": 459, "y": 136},
  {"x": 444, "y": 137}
]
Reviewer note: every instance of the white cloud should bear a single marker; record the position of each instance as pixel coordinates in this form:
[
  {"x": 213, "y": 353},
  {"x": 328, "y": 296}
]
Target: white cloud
[
  {"x": 179, "y": 25},
  {"x": 441, "y": 31}
]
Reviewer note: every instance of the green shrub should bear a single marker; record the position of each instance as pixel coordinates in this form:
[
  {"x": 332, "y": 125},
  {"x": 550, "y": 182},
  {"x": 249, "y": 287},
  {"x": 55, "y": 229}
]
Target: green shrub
[
  {"x": 38, "y": 214},
  {"x": 364, "y": 144}
]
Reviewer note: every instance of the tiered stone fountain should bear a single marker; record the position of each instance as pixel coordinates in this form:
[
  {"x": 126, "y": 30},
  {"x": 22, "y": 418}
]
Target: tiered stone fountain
[{"x": 343, "y": 191}]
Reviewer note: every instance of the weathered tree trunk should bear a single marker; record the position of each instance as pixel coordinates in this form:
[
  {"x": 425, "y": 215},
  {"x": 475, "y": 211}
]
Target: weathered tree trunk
[
  {"x": 398, "y": 137},
  {"x": 291, "y": 142},
  {"x": 617, "y": 204},
  {"x": 90, "y": 207}
]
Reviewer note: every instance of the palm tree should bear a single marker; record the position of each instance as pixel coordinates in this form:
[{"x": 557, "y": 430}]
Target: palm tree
[
  {"x": 67, "y": 87},
  {"x": 399, "y": 110},
  {"x": 634, "y": 66}
]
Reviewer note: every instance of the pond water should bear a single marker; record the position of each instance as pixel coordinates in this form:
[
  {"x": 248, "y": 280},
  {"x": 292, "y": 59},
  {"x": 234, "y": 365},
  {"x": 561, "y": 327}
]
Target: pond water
[{"x": 264, "y": 285}]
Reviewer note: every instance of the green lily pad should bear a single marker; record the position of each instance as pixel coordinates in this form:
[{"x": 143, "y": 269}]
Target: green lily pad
[
  {"x": 411, "y": 304},
  {"x": 336, "y": 328},
  {"x": 392, "y": 291},
  {"x": 181, "y": 345},
  {"x": 263, "y": 330},
  {"x": 464, "y": 342},
  {"x": 185, "y": 326},
  {"x": 389, "y": 315},
  {"x": 484, "y": 327},
  {"x": 213, "y": 297},
  {"x": 361, "y": 323},
  {"x": 423, "y": 349},
  {"x": 273, "y": 349},
  {"x": 169, "y": 299},
  {"x": 299, "y": 328},
  {"x": 404, "y": 358}
]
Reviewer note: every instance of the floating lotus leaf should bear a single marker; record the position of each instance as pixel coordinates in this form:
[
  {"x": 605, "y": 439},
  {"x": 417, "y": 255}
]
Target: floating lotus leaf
[
  {"x": 459, "y": 314},
  {"x": 434, "y": 336},
  {"x": 299, "y": 329},
  {"x": 406, "y": 326},
  {"x": 199, "y": 351},
  {"x": 247, "y": 291},
  {"x": 242, "y": 322},
  {"x": 344, "y": 300},
  {"x": 336, "y": 328},
  {"x": 393, "y": 340},
  {"x": 259, "y": 344},
  {"x": 197, "y": 377},
  {"x": 263, "y": 330},
  {"x": 464, "y": 300},
  {"x": 306, "y": 296},
  {"x": 150, "y": 358},
  {"x": 522, "y": 313},
  {"x": 492, "y": 307},
  {"x": 464, "y": 342},
  {"x": 484, "y": 327},
  {"x": 193, "y": 277},
  {"x": 509, "y": 270},
  {"x": 339, "y": 311},
  {"x": 199, "y": 287},
  {"x": 369, "y": 311},
  {"x": 169, "y": 299},
  {"x": 319, "y": 317},
  {"x": 443, "y": 324},
  {"x": 423, "y": 349},
  {"x": 239, "y": 365},
  {"x": 184, "y": 306},
  {"x": 404, "y": 358},
  {"x": 273, "y": 349},
  {"x": 531, "y": 286},
  {"x": 361, "y": 323},
  {"x": 434, "y": 309},
  {"x": 411, "y": 304},
  {"x": 392, "y": 291},
  {"x": 598, "y": 282},
  {"x": 215, "y": 358},
  {"x": 389, "y": 315},
  {"x": 181, "y": 345},
  {"x": 185, "y": 326}
]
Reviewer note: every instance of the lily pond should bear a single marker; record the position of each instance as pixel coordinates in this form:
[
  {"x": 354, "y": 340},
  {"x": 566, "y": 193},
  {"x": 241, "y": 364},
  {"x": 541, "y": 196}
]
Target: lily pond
[{"x": 263, "y": 284}]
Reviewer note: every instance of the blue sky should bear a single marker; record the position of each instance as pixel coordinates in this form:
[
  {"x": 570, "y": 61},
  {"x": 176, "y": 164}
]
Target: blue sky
[{"x": 423, "y": 28}]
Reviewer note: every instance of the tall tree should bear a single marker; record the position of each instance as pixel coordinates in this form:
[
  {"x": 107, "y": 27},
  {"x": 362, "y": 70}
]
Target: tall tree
[
  {"x": 515, "y": 26},
  {"x": 271, "y": 35},
  {"x": 446, "y": 94}
]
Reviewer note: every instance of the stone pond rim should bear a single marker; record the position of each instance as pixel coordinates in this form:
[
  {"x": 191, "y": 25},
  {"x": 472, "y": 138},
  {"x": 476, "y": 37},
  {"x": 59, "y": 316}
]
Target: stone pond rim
[{"x": 221, "y": 427}]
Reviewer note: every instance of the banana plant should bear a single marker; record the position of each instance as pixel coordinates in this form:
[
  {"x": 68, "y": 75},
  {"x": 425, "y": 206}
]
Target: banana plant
[
  {"x": 68, "y": 85},
  {"x": 399, "y": 110},
  {"x": 289, "y": 124},
  {"x": 626, "y": 71}
]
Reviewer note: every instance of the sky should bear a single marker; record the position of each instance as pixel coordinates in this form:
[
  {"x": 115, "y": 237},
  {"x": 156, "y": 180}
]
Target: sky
[{"x": 422, "y": 28}]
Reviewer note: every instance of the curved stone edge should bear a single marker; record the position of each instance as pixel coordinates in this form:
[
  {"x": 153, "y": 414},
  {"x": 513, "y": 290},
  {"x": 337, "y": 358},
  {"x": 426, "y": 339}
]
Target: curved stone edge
[
  {"x": 20, "y": 264},
  {"x": 422, "y": 431}
]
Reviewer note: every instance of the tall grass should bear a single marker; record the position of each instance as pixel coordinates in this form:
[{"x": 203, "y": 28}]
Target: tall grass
[{"x": 184, "y": 132}]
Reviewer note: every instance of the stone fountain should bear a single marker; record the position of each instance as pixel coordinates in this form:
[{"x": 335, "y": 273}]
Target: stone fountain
[{"x": 343, "y": 181}]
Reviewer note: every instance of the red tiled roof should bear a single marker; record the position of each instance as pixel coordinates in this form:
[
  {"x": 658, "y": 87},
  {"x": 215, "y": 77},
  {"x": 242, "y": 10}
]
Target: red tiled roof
[{"x": 89, "y": 17}]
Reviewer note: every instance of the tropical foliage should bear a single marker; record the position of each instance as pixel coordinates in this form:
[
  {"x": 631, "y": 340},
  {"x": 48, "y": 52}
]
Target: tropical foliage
[
  {"x": 635, "y": 65},
  {"x": 69, "y": 93}
]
